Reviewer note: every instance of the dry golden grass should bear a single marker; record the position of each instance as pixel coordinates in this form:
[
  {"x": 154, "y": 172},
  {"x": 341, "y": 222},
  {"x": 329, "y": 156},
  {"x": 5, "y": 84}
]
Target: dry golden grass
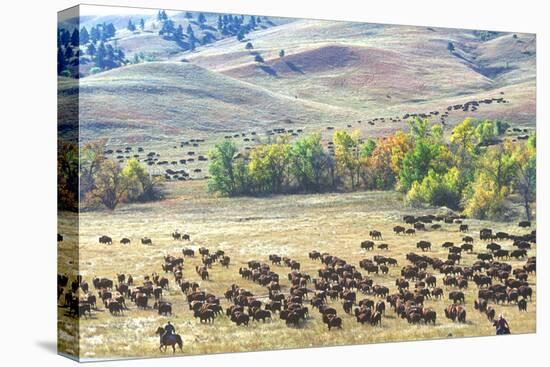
[{"x": 253, "y": 228}]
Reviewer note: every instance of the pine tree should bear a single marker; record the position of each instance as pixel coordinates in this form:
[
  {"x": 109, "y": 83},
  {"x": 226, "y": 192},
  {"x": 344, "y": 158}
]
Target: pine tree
[
  {"x": 69, "y": 53},
  {"x": 94, "y": 34},
  {"x": 75, "y": 38},
  {"x": 190, "y": 32},
  {"x": 91, "y": 50},
  {"x": 111, "y": 30},
  {"x": 60, "y": 60},
  {"x": 220, "y": 23},
  {"x": 202, "y": 18},
  {"x": 178, "y": 33},
  {"x": 252, "y": 22},
  {"x": 167, "y": 29},
  {"x": 142, "y": 24},
  {"x": 282, "y": 53},
  {"x": 450, "y": 47},
  {"x": 100, "y": 55},
  {"x": 84, "y": 36},
  {"x": 65, "y": 38},
  {"x": 131, "y": 26},
  {"x": 188, "y": 15}
]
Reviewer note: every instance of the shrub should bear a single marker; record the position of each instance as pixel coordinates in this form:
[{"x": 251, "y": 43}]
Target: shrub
[
  {"x": 482, "y": 200},
  {"x": 436, "y": 189},
  {"x": 95, "y": 70}
]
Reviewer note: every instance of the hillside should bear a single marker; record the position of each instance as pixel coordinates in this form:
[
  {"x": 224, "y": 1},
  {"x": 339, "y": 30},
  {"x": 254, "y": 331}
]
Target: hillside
[
  {"x": 372, "y": 67},
  {"x": 331, "y": 74},
  {"x": 166, "y": 98}
]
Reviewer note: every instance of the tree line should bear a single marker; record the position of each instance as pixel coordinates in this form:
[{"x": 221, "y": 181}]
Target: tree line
[
  {"x": 84, "y": 47},
  {"x": 97, "y": 181},
  {"x": 473, "y": 169}
]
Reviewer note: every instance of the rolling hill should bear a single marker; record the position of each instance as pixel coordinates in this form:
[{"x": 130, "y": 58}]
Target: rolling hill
[
  {"x": 166, "y": 98},
  {"x": 332, "y": 73}
]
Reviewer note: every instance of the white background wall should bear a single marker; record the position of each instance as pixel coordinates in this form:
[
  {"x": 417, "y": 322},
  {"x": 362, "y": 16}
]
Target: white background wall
[{"x": 28, "y": 179}]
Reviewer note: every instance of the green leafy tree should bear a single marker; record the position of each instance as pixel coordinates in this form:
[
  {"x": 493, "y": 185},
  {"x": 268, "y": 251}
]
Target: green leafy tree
[
  {"x": 67, "y": 176},
  {"x": 226, "y": 170},
  {"x": 346, "y": 149},
  {"x": 465, "y": 141},
  {"x": 368, "y": 148},
  {"x": 486, "y": 131},
  {"x": 525, "y": 181},
  {"x": 110, "y": 187},
  {"x": 437, "y": 189},
  {"x": 269, "y": 165},
  {"x": 141, "y": 186},
  {"x": 309, "y": 163},
  {"x": 417, "y": 163}
]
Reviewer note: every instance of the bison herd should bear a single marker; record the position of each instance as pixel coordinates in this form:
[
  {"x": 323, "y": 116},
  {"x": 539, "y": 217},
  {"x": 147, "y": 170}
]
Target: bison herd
[{"x": 362, "y": 289}]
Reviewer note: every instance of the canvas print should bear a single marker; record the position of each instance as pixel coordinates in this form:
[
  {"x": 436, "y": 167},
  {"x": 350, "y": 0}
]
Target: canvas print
[{"x": 233, "y": 183}]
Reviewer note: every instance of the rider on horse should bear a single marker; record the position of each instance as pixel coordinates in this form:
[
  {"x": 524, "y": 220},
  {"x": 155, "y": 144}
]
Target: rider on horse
[
  {"x": 169, "y": 329},
  {"x": 502, "y": 325}
]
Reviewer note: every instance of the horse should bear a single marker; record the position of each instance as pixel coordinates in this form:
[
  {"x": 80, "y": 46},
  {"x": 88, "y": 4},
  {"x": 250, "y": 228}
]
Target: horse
[{"x": 169, "y": 340}]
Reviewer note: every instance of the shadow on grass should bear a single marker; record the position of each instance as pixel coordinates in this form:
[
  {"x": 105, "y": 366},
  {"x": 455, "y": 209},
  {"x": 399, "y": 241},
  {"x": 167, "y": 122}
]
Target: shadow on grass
[
  {"x": 294, "y": 68},
  {"x": 268, "y": 69}
]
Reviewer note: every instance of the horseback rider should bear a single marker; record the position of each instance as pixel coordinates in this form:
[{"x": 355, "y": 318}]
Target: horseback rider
[
  {"x": 169, "y": 329},
  {"x": 502, "y": 325}
]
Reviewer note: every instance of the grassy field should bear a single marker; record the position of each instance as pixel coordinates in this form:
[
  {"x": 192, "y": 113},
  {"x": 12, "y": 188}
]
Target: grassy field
[{"x": 253, "y": 228}]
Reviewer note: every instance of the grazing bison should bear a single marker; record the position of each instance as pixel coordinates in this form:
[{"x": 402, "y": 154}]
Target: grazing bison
[
  {"x": 485, "y": 257},
  {"x": 522, "y": 305},
  {"x": 467, "y": 247},
  {"x": 490, "y": 313},
  {"x": 105, "y": 240},
  {"x": 375, "y": 235},
  {"x": 333, "y": 321},
  {"x": 367, "y": 245},
  {"x": 205, "y": 315},
  {"x": 125, "y": 241},
  {"x": 524, "y": 224},
  {"x": 240, "y": 318},
  {"x": 261, "y": 315},
  {"x": 457, "y": 296},
  {"x": 146, "y": 241},
  {"x": 188, "y": 252},
  {"x": 463, "y": 228},
  {"x": 424, "y": 245},
  {"x": 399, "y": 230},
  {"x": 518, "y": 254}
]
